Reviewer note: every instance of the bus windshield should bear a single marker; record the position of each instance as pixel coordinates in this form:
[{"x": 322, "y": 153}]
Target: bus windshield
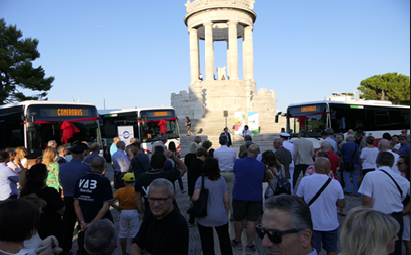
[
  {"x": 159, "y": 123},
  {"x": 309, "y": 118},
  {"x": 52, "y": 121}
]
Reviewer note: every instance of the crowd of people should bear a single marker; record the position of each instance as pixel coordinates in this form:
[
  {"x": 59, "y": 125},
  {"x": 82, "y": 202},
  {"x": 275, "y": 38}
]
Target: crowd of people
[{"x": 43, "y": 195}]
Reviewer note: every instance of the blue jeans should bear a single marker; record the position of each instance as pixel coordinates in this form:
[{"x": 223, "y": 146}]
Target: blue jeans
[{"x": 355, "y": 177}]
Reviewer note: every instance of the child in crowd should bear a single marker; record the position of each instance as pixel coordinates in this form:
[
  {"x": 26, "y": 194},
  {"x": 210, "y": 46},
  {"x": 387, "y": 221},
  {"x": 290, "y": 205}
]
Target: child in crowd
[{"x": 129, "y": 223}]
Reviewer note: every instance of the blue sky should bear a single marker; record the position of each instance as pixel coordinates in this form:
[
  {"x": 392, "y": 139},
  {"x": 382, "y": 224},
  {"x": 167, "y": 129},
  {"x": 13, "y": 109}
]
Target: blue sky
[{"x": 136, "y": 53}]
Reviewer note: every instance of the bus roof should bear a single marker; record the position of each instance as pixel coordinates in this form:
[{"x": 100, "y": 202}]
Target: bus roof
[
  {"x": 113, "y": 111},
  {"x": 360, "y": 102},
  {"x": 30, "y": 102}
]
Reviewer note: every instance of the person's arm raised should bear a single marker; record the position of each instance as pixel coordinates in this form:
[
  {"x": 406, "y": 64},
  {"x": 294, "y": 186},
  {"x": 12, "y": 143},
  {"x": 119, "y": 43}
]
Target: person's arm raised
[{"x": 179, "y": 163}]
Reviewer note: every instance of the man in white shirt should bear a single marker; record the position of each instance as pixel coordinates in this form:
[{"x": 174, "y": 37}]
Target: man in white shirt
[
  {"x": 324, "y": 208},
  {"x": 384, "y": 190},
  {"x": 289, "y": 146},
  {"x": 385, "y": 146},
  {"x": 226, "y": 157},
  {"x": 121, "y": 164},
  {"x": 286, "y": 226},
  {"x": 246, "y": 131}
]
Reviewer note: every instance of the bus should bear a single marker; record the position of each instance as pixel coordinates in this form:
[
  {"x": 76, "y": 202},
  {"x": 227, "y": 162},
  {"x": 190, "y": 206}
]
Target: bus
[
  {"x": 373, "y": 117},
  {"x": 144, "y": 123},
  {"x": 33, "y": 123}
]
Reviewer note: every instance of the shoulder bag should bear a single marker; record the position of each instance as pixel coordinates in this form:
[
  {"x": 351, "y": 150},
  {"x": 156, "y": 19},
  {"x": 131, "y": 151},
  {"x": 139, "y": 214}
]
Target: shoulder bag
[
  {"x": 348, "y": 165},
  {"x": 199, "y": 208},
  {"x": 319, "y": 192},
  {"x": 283, "y": 185},
  {"x": 396, "y": 184}
]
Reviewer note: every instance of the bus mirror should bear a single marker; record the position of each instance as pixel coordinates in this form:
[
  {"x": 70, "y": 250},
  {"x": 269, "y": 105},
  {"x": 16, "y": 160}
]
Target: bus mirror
[{"x": 276, "y": 118}]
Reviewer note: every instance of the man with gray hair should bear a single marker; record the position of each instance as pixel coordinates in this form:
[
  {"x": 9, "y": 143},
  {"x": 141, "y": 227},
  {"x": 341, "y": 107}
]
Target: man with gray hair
[
  {"x": 113, "y": 147},
  {"x": 161, "y": 142},
  {"x": 247, "y": 196},
  {"x": 287, "y": 226},
  {"x": 101, "y": 238},
  {"x": 94, "y": 152},
  {"x": 121, "y": 164},
  {"x": 303, "y": 155},
  {"x": 385, "y": 146},
  {"x": 350, "y": 153},
  {"x": 52, "y": 144},
  {"x": 164, "y": 230},
  {"x": 384, "y": 190},
  {"x": 92, "y": 197}
]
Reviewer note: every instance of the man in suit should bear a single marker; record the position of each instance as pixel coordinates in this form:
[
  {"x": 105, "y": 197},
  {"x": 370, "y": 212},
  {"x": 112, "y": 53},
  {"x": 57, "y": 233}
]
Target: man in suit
[
  {"x": 303, "y": 155},
  {"x": 62, "y": 151},
  {"x": 283, "y": 155},
  {"x": 229, "y": 143}
]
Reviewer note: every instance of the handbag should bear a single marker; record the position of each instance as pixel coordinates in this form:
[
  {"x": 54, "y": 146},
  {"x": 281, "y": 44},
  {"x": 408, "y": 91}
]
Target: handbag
[
  {"x": 199, "y": 208},
  {"x": 283, "y": 186},
  {"x": 348, "y": 165}
]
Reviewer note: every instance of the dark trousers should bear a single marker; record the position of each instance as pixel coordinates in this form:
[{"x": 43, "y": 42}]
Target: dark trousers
[
  {"x": 180, "y": 182},
  {"x": 297, "y": 171},
  {"x": 398, "y": 244},
  {"x": 69, "y": 220},
  {"x": 207, "y": 239}
]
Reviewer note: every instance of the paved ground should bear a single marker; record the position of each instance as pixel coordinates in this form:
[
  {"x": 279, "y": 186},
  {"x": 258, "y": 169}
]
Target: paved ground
[{"x": 195, "y": 244}]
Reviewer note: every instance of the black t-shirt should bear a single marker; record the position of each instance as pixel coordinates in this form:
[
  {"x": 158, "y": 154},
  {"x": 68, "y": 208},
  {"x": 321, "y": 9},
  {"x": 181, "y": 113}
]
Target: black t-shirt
[
  {"x": 144, "y": 162},
  {"x": 166, "y": 236},
  {"x": 144, "y": 180},
  {"x": 193, "y": 173},
  {"x": 188, "y": 123},
  {"x": 50, "y": 221},
  {"x": 93, "y": 190}
]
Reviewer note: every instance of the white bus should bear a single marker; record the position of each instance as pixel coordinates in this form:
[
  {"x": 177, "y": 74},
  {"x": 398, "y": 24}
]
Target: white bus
[
  {"x": 33, "y": 123},
  {"x": 373, "y": 117},
  {"x": 145, "y": 125}
]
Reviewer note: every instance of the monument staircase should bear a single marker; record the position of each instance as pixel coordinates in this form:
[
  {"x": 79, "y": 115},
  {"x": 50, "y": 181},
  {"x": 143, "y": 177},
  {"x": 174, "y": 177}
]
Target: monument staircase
[{"x": 211, "y": 128}]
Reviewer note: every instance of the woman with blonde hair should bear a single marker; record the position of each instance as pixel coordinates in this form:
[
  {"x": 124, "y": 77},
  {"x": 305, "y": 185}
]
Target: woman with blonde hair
[
  {"x": 20, "y": 160},
  {"x": 49, "y": 159},
  {"x": 368, "y": 232}
]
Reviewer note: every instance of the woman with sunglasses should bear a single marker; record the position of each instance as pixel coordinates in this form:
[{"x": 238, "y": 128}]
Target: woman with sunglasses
[
  {"x": 273, "y": 169},
  {"x": 218, "y": 206},
  {"x": 368, "y": 232}
]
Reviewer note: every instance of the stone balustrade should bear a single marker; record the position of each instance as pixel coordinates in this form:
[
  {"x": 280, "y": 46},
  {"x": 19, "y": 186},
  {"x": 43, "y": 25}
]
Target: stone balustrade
[{"x": 200, "y": 4}]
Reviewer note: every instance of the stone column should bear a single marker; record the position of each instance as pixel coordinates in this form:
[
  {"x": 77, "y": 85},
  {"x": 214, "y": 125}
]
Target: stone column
[
  {"x": 209, "y": 51},
  {"x": 233, "y": 48},
  {"x": 194, "y": 60},
  {"x": 228, "y": 61},
  {"x": 248, "y": 55}
]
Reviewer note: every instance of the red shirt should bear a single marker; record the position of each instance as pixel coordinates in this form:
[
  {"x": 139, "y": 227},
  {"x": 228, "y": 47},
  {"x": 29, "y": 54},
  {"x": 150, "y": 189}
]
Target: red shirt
[{"x": 335, "y": 162}]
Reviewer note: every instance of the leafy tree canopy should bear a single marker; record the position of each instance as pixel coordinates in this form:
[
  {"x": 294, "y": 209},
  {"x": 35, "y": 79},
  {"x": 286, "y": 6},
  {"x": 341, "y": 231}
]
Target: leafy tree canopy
[
  {"x": 394, "y": 87},
  {"x": 16, "y": 70}
]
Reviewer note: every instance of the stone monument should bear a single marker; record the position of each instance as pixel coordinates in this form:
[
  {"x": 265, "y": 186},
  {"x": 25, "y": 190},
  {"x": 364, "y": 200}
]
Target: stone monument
[{"x": 221, "y": 89}]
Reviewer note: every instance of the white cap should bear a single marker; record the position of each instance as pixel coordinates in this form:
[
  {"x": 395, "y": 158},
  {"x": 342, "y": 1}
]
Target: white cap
[{"x": 284, "y": 134}]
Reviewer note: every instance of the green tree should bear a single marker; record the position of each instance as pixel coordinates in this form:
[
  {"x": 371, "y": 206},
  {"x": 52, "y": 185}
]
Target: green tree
[
  {"x": 390, "y": 86},
  {"x": 16, "y": 70}
]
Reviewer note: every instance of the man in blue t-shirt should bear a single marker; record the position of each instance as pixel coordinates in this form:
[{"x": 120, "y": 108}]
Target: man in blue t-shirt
[
  {"x": 92, "y": 197},
  {"x": 247, "y": 196}
]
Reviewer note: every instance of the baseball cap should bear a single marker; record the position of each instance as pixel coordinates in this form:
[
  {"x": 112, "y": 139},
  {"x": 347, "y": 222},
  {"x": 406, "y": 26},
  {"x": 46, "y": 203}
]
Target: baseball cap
[{"x": 129, "y": 177}]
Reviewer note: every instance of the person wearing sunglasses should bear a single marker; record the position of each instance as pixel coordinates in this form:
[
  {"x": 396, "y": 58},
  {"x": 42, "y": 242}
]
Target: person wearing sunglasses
[
  {"x": 286, "y": 227},
  {"x": 164, "y": 230}
]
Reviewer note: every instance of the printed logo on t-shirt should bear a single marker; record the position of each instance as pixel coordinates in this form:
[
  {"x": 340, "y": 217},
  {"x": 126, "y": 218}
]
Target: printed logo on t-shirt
[{"x": 86, "y": 185}]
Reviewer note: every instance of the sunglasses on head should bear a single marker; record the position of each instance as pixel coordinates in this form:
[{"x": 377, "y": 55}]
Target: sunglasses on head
[{"x": 275, "y": 236}]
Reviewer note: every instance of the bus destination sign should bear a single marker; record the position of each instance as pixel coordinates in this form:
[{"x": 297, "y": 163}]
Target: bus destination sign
[
  {"x": 309, "y": 108},
  {"x": 160, "y": 114},
  {"x": 59, "y": 112}
]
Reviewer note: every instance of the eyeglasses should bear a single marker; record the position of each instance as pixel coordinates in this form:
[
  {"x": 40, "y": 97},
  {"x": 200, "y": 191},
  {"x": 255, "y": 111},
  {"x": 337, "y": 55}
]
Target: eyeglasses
[
  {"x": 161, "y": 201},
  {"x": 275, "y": 236}
]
